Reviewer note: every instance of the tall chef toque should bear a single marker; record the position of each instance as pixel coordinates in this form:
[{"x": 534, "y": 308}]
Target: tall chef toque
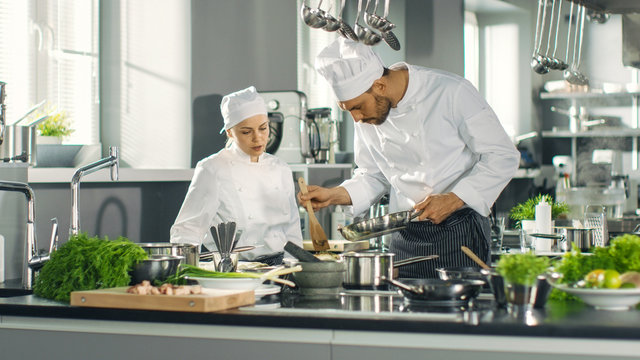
[
  {"x": 241, "y": 105},
  {"x": 349, "y": 67}
]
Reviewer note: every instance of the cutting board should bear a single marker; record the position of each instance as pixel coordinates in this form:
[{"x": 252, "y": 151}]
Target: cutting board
[
  {"x": 339, "y": 245},
  {"x": 118, "y": 298}
]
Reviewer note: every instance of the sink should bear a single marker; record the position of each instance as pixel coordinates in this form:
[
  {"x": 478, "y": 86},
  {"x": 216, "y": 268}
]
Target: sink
[
  {"x": 5, "y": 293},
  {"x": 11, "y": 288},
  {"x": 63, "y": 155}
]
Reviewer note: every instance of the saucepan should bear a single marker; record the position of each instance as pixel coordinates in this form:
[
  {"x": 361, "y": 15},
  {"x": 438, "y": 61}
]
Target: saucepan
[
  {"x": 190, "y": 252},
  {"x": 365, "y": 269},
  {"x": 438, "y": 289},
  {"x": 378, "y": 226}
]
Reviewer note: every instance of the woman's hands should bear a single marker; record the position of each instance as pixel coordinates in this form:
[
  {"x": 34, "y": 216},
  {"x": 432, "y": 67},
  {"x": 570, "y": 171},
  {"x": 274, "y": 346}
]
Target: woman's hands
[
  {"x": 322, "y": 197},
  {"x": 438, "y": 207}
]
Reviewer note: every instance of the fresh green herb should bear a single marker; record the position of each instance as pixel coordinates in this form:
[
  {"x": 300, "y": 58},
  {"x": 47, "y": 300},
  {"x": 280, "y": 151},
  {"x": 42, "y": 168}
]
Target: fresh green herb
[
  {"x": 85, "y": 263},
  {"x": 622, "y": 255},
  {"x": 187, "y": 270},
  {"x": 527, "y": 210},
  {"x": 522, "y": 269},
  {"x": 625, "y": 252}
]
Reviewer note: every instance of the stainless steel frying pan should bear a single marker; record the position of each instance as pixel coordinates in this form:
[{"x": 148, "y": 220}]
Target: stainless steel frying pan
[{"x": 378, "y": 226}]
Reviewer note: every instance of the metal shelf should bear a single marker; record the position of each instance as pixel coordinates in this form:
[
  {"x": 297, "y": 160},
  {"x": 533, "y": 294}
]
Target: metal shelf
[
  {"x": 586, "y": 95},
  {"x": 592, "y": 134},
  {"x": 611, "y": 6}
]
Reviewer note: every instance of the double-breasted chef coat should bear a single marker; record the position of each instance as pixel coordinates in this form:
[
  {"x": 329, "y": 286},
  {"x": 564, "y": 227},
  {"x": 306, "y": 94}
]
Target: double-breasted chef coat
[
  {"x": 258, "y": 196},
  {"x": 442, "y": 137}
]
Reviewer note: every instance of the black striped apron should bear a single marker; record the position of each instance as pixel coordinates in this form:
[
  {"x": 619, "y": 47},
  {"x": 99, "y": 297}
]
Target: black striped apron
[{"x": 463, "y": 227}]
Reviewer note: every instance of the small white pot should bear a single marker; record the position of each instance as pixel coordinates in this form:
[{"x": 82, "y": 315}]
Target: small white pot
[{"x": 48, "y": 140}]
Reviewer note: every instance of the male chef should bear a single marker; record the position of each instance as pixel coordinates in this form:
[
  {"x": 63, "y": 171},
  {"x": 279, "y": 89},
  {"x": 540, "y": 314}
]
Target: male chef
[{"x": 429, "y": 139}]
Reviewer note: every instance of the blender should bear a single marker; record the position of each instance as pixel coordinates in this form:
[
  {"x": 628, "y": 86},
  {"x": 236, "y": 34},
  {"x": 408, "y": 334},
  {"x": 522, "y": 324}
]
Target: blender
[{"x": 319, "y": 135}]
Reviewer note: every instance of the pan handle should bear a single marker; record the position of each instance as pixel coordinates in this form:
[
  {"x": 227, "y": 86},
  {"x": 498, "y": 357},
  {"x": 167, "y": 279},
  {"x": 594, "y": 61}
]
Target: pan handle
[
  {"x": 413, "y": 260},
  {"x": 413, "y": 289},
  {"x": 415, "y": 214}
]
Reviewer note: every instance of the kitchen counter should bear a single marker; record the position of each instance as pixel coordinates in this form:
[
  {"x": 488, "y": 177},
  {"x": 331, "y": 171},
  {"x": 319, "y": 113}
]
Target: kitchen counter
[{"x": 350, "y": 325}]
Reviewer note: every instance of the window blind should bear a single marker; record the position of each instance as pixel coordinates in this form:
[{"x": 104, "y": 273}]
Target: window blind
[{"x": 49, "y": 51}]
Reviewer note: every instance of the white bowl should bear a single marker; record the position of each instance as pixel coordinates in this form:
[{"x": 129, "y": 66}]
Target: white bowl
[
  {"x": 604, "y": 299},
  {"x": 229, "y": 283}
]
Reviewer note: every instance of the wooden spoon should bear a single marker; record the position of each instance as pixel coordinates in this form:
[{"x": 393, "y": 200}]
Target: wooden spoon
[
  {"x": 318, "y": 237},
  {"x": 475, "y": 257}
]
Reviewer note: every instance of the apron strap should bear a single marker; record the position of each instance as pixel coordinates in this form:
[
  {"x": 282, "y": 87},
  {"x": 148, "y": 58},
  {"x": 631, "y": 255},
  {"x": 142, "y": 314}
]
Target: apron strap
[{"x": 464, "y": 227}]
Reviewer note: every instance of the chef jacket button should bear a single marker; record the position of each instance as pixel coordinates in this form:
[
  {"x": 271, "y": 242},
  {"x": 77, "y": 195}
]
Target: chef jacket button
[
  {"x": 392, "y": 165},
  {"x": 250, "y": 217},
  {"x": 240, "y": 188}
]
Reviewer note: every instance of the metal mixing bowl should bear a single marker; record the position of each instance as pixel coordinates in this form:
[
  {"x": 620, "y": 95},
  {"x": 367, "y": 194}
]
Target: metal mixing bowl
[
  {"x": 156, "y": 267},
  {"x": 190, "y": 252}
]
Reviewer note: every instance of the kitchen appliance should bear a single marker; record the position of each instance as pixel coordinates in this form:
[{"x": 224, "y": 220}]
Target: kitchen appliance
[
  {"x": 578, "y": 198},
  {"x": 286, "y": 110},
  {"x": 318, "y": 136}
]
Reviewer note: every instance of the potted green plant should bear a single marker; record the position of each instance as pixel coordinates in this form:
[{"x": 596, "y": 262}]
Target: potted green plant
[
  {"x": 54, "y": 128},
  {"x": 526, "y": 211},
  {"x": 520, "y": 273}
]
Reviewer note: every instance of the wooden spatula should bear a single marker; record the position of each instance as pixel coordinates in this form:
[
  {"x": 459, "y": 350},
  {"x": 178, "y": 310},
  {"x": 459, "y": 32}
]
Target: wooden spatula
[{"x": 318, "y": 237}]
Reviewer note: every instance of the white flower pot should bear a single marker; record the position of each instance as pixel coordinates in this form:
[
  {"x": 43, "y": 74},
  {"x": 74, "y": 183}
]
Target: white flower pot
[{"x": 48, "y": 140}]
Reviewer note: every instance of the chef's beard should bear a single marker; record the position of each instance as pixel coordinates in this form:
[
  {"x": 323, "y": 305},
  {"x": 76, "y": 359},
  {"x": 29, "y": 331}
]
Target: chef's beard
[{"x": 382, "y": 107}]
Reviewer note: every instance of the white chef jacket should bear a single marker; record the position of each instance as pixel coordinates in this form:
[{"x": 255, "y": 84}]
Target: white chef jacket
[
  {"x": 442, "y": 137},
  {"x": 258, "y": 196}
]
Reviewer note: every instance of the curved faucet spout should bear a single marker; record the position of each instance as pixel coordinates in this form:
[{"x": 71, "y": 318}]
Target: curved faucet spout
[
  {"x": 30, "y": 249},
  {"x": 112, "y": 161}
]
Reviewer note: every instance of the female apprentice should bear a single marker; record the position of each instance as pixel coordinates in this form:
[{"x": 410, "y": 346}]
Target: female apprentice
[{"x": 244, "y": 184}]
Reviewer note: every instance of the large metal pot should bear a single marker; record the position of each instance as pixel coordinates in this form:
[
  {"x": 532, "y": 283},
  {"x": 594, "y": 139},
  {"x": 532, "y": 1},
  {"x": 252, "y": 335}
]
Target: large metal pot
[
  {"x": 582, "y": 238},
  {"x": 190, "y": 252},
  {"x": 364, "y": 269}
]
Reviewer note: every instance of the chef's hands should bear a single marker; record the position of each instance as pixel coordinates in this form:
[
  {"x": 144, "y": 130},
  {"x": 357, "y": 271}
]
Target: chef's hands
[
  {"x": 322, "y": 197},
  {"x": 438, "y": 207}
]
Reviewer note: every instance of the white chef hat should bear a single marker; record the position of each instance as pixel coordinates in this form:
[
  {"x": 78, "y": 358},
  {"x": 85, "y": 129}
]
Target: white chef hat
[
  {"x": 349, "y": 67},
  {"x": 241, "y": 105}
]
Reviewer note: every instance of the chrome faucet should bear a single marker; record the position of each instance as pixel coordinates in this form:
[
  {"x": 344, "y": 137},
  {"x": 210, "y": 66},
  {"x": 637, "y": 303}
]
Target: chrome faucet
[
  {"x": 30, "y": 250},
  {"x": 112, "y": 161},
  {"x": 3, "y": 111}
]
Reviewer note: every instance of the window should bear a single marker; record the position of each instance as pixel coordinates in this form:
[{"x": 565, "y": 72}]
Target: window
[
  {"x": 471, "y": 49},
  {"x": 49, "y": 51},
  {"x": 310, "y": 43}
]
